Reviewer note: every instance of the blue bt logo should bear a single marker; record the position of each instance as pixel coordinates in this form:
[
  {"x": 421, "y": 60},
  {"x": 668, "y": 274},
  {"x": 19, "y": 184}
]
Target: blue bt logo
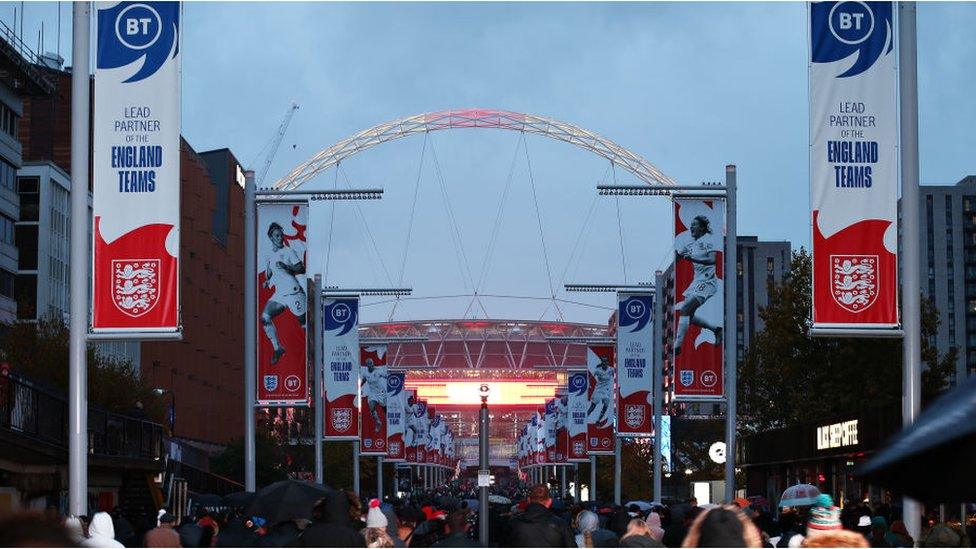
[
  {"x": 138, "y": 26},
  {"x": 851, "y": 22}
]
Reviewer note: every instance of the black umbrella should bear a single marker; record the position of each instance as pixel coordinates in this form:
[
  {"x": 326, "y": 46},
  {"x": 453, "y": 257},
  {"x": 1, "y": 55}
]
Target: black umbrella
[
  {"x": 206, "y": 500},
  {"x": 286, "y": 500},
  {"x": 933, "y": 459},
  {"x": 239, "y": 499}
]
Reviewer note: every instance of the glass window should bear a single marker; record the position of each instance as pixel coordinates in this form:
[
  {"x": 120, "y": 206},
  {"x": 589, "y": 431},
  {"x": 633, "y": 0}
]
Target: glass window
[
  {"x": 6, "y": 283},
  {"x": 6, "y": 230},
  {"x": 27, "y": 188},
  {"x": 8, "y": 175},
  {"x": 27, "y": 247}
]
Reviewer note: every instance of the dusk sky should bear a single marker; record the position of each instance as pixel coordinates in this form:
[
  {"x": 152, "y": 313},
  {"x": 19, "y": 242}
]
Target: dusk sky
[{"x": 690, "y": 87}]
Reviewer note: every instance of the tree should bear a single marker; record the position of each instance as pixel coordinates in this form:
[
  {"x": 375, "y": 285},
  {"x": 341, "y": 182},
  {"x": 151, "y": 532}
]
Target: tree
[
  {"x": 39, "y": 350},
  {"x": 788, "y": 377},
  {"x": 268, "y": 455}
]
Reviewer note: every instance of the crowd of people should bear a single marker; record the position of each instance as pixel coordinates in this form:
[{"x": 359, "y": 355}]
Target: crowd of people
[{"x": 517, "y": 517}]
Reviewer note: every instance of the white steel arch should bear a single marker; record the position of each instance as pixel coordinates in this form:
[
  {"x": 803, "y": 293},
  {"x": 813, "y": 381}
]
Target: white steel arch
[{"x": 474, "y": 118}]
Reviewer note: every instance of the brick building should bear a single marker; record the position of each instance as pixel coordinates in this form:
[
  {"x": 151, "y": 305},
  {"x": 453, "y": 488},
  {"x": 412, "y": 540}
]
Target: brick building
[{"x": 204, "y": 371}]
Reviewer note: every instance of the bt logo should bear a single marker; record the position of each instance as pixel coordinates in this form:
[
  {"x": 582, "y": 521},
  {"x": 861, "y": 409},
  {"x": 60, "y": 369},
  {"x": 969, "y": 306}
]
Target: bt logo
[
  {"x": 341, "y": 312},
  {"x": 851, "y": 22},
  {"x": 138, "y": 26},
  {"x": 635, "y": 309}
]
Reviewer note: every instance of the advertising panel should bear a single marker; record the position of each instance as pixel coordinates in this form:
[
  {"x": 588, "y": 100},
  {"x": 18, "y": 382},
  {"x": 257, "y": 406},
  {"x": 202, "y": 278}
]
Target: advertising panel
[
  {"x": 578, "y": 402},
  {"x": 600, "y": 391},
  {"x": 282, "y": 362},
  {"x": 635, "y": 343},
  {"x": 854, "y": 164},
  {"x": 411, "y": 437},
  {"x": 372, "y": 404},
  {"x": 550, "y": 429},
  {"x": 396, "y": 420},
  {"x": 562, "y": 424},
  {"x": 699, "y": 313},
  {"x": 341, "y": 323},
  {"x": 136, "y": 169}
]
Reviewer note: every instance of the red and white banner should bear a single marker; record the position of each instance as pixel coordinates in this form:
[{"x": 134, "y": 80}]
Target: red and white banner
[
  {"x": 550, "y": 429},
  {"x": 136, "y": 169},
  {"x": 854, "y": 165},
  {"x": 540, "y": 436},
  {"x": 373, "y": 400},
  {"x": 396, "y": 410},
  {"x": 578, "y": 401},
  {"x": 562, "y": 424},
  {"x": 415, "y": 410},
  {"x": 699, "y": 287},
  {"x": 602, "y": 396},
  {"x": 282, "y": 363},
  {"x": 437, "y": 430},
  {"x": 635, "y": 363},
  {"x": 341, "y": 323}
]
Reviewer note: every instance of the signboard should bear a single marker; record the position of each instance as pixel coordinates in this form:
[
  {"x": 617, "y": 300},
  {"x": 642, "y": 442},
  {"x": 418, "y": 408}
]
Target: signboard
[
  {"x": 550, "y": 430},
  {"x": 372, "y": 403},
  {"x": 341, "y": 322},
  {"x": 136, "y": 169},
  {"x": 282, "y": 363},
  {"x": 396, "y": 410},
  {"x": 561, "y": 424},
  {"x": 699, "y": 316},
  {"x": 540, "y": 436},
  {"x": 423, "y": 432},
  {"x": 577, "y": 402},
  {"x": 635, "y": 363},
  {"x": 837, "y": 435},
  {"x": 411, "y": 435},
  {"x": 854, "y": 165},
  {"x": 600, "y": 391}
]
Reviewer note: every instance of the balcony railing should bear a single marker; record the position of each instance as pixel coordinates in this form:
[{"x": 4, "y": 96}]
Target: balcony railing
[{"x": 41, "y": 415}]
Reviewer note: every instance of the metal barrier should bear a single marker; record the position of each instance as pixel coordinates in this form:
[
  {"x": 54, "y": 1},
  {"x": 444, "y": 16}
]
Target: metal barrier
[{"x": 40, "y": 414}]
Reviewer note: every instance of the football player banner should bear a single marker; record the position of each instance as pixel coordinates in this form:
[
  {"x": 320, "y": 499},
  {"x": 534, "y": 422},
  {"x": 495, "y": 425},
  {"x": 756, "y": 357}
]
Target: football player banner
[
  {"x": 600, "y": 392},
  {"x": 540, "y": 436},
  {"x": 423, "y": 432},
  {"x": 136, "y": 169},
  {"x": 577, "y": 401},
  {"x": 550, "y": 428},
  {"x": 411, "y": 435},
  {"x": 854, "y": 164},
  {"x": 436, "y": 438},
  {"x": 396, "y": 408},
  {"x": 373, "y": 400},
  {"x": 635, "y": 337},
  {"x": 341, "y": 322},
  {"x": 699, "y": 311},
  {"x": 282, "y": 362},
  {"x": 562, "y": 421}
]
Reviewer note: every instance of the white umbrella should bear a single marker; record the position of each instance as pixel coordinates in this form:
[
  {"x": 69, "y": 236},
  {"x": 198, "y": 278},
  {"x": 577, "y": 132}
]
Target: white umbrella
[
  {"x": 800, "y": 494},
  {"x": 642, "y": 505},
  {"x": 496, "y": 498}
]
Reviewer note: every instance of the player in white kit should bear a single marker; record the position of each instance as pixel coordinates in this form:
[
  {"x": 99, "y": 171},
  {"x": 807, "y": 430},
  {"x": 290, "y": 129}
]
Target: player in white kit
[
  {"x": 410, "y": 428},
  {"x": 280, "y": 272},
  {"x": 603, "y": 392},
  {"x": 374, "y": 389},
  {"x": 702, "y": 254}
]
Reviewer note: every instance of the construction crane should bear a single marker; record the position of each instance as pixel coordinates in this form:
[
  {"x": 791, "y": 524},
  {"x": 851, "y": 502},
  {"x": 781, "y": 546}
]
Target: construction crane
[{"x": 275, "y": 143}]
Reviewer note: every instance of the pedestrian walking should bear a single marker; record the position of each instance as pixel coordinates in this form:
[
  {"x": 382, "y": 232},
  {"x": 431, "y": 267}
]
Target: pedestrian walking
[
  {"x": 101, "y": 532},
  {"x": 724, "y": 526},
  {"x": 164, "y": 535},
  {"x": 332, "y": 525},
  {"x": 591, "y": 534},
  {"x": 639, "y": 535},
  {"x": 537, "y": 526}
]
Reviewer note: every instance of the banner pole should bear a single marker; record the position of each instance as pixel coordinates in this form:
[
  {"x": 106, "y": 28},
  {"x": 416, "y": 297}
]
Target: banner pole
[
  {"x": 355, "y": 467},
  {"x": 317, "y": 365},
  {"x": 576, "y": 482},
  {"x": 656, "y": 379},
  {"x": 592, "y": 478},
  {"x": 379, "y": 478},
  {"x": 562, "y": 482},
  {"x": 250, "y": 331},
  {"x": 617, "y": 448},
  {"x": 731, "y": 358},
  {"x": 81, "y": 263},
  {"x": 911, "y": 302}
]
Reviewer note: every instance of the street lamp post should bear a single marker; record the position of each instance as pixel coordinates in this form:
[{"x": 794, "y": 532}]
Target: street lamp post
[{"x": 483, "y": 474}]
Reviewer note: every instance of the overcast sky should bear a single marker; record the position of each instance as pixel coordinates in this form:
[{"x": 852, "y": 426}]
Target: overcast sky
[{"x": 690, "y": 87}]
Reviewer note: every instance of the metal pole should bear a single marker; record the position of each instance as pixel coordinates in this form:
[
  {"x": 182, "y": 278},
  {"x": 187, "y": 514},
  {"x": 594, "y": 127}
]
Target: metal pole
[
  {"x": 617, "y": 448},
  {"x": 657, "y": 380},
  {"x": 911, "y": 304},
  {"x": 592, "y": 478},
  {"x": 355, "y": 466},
  {"x": 250, "y": 331},
  {"x": 731, "y": 359},
  {"x": 318, "y": 399},
  {"x": 81, "y": 261},
  {"x": 379, "y": 478},
  {"x": 562, "y": 482},
  {"x": 483, "y": 466}
]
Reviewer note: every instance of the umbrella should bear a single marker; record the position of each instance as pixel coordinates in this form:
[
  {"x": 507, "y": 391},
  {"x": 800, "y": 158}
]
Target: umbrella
[
  {"x": 933, "y": 459},
  {"x": 500, "y": 499},
  {"x": 286, "y": 500},
  {"x": 239, "y": 499},
  {"x": 799, "y": 494},
  {"x": 642, "y": 505}
]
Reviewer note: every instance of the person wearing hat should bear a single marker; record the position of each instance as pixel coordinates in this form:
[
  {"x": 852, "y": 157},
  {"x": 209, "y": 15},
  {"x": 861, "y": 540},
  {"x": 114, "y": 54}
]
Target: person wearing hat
[
  {"x": 376, "y": 522},
  {"x": 164, "y": 535}
]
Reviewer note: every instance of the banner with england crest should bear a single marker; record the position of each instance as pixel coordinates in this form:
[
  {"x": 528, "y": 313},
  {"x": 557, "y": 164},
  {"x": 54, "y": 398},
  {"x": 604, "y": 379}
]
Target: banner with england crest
[
  {"x": 635, "y": 343},
  {"x": 341, "y": 341},
  {"x": 854, "y": 165}
]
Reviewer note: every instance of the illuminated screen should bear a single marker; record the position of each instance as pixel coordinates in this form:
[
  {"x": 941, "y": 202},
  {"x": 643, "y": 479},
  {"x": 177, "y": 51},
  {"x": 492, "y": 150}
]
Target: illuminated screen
[{"x": 515, "y": 393}]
